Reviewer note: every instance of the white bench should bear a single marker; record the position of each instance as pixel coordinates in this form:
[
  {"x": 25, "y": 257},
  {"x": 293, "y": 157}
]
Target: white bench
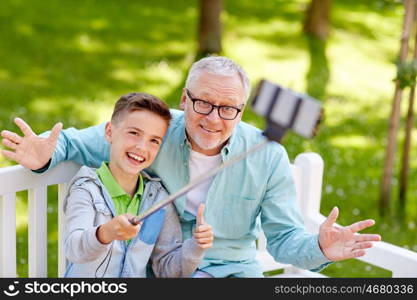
[{"x": 307, "y": 171}]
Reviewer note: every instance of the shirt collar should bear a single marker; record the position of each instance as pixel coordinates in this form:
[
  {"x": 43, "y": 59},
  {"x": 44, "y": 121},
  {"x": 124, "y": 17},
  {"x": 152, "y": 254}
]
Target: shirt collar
[{"x": 113, "y": 188}]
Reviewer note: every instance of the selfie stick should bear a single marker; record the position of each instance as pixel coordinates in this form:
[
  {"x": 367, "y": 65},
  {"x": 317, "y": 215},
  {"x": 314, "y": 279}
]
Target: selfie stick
[{"x": 283, "y": 110}]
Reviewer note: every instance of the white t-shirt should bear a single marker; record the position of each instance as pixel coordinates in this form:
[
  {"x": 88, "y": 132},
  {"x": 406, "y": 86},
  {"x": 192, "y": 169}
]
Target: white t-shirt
[{"x": 200, "y": 164}]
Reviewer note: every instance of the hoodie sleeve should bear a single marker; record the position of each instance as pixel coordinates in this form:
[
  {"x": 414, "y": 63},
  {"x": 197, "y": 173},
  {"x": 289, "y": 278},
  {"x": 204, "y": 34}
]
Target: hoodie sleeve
[
  {"x": 81, "y": 243},
  {"x": 170, "y": 257}
]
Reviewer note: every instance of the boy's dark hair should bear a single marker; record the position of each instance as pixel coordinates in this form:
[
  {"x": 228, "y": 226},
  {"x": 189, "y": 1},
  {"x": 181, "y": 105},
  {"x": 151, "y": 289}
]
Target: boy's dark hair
[{"x": 140, "y": 101}]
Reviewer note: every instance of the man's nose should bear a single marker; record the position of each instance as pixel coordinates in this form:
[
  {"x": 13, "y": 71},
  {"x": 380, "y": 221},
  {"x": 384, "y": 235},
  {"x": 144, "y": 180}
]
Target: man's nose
[{"x": 214, "y": 115}]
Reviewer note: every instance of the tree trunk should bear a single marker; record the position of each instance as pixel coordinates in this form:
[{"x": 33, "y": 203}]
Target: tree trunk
[
  {"x": 385, "y": 193},
  {"x": 407, "y": 142},
  {"x": 406, "y": 150},
  {"x": 318, "y": 74},
  {"x": 209, "y": 34},
  {"x": 318, "y": 18}
]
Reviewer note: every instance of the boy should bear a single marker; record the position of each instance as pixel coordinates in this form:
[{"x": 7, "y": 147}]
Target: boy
[{"x": 99, "y": 239}]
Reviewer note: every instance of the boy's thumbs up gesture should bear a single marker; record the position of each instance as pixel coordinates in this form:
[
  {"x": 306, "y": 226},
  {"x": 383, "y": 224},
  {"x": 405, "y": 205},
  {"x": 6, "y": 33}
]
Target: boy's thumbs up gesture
[{"x": 203, "y": 234}]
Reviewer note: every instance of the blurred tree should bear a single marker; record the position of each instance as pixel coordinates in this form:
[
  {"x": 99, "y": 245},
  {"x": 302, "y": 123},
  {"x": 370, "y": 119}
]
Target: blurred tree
[
  {"x": 316, "y": 29},
  {"x": 318, "y": 73},
  {"x": 317, "y": 21},
  {"x": 405, "y": 165},
  {"x": 385, "y": 192},
  {"x": 209, "y": 32}
]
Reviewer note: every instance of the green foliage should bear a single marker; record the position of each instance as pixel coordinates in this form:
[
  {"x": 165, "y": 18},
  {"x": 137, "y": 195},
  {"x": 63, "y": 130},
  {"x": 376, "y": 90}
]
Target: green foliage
[
  {"x": 406, "y": 73},
  {"x": 71, "y": 60}
]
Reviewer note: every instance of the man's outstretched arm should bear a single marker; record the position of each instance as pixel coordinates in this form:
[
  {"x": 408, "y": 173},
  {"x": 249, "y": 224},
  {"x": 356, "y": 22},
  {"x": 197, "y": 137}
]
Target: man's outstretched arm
[
  {"x": 288, "y": 241},
  {"x": 40, "y": 153}
]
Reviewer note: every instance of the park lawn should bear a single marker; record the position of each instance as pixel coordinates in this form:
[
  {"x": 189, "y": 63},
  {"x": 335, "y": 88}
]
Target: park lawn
[{"x": 70, "y": 61}]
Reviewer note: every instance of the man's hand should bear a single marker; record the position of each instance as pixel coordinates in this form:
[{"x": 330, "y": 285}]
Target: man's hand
[
  {"x": 339, "y": 243},
  {"x": 119, "y": 228},
  {"x": 203, "y": 233},
  {"x": 30, "y": 151}
]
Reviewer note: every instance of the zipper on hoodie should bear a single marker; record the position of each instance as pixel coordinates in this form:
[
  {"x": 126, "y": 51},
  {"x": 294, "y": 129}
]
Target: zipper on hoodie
[{"x": 141, "y": 208}]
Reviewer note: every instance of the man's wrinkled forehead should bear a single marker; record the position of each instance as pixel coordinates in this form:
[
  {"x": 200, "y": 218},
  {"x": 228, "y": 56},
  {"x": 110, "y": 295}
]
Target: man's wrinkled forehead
[{"x": 227, "y": 89}]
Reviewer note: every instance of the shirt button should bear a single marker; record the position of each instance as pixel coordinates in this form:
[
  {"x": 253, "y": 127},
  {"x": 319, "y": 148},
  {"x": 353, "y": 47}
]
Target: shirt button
[{"x": 150, "y": 195}]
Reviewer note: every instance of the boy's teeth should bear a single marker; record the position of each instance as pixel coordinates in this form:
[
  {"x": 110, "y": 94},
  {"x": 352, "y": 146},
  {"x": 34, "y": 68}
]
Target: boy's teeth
[{"x": 136, "y": 157}]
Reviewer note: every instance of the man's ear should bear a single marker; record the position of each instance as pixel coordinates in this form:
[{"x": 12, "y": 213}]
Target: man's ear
[
  {"x": 183, "y": 102},
  {"x": 108, "y": 132},
  {"x": 243, "y": 109}
]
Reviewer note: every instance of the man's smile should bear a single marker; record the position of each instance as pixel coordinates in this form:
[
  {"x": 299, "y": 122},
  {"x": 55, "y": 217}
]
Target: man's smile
[{"x": 210, "y": 130}]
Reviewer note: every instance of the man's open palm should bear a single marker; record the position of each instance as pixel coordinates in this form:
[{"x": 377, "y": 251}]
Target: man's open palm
[
  {"x": 30, "y": 150},
  {"x": 339, "y": 243}
]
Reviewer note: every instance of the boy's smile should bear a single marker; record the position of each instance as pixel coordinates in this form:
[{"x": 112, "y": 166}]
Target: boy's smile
[{"x": 137, "y": 158}]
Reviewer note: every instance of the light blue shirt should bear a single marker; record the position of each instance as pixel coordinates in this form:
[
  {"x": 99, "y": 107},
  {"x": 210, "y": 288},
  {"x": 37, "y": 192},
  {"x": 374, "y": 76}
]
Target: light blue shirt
[{"x": 257, "y": 191}]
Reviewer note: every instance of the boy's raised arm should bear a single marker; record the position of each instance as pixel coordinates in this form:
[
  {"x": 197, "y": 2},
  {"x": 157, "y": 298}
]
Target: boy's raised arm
[{"x": 40, "y": 153}]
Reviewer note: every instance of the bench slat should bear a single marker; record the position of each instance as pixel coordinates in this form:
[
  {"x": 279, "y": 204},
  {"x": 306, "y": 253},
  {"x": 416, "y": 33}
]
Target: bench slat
[
  {"x": 8, "y": 235},
  {"x": 38, "y": 233},
  {"x": 62, "y": 189}
]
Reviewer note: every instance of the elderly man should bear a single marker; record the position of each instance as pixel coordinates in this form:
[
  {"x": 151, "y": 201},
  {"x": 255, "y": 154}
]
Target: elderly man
[{"x": 258, "y": 191}]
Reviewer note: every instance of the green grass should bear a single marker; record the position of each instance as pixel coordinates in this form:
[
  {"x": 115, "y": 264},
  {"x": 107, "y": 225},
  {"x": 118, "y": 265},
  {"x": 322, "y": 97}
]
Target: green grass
[{"x": 69, "y": 61}]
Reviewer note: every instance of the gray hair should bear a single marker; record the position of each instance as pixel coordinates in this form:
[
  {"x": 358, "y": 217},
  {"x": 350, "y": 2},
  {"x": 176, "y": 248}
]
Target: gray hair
[{"x": 218, "y": 65}]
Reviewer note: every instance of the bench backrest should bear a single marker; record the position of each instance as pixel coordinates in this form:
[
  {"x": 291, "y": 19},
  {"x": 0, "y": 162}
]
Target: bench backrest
[
  {"x": 16, "y": 178},
  {"x": 307, "y": 171}
]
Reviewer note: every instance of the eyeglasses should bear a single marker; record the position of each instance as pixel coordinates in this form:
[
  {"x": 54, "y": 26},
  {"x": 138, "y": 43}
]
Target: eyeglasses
[{"x": 205, "y": 108}]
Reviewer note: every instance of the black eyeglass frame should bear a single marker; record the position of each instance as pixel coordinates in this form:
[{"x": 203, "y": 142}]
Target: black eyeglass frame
[{"x": 194, "y": 100}]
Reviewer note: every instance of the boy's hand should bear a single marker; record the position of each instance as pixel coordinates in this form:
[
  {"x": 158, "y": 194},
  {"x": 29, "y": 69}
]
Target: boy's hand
[
  {"x": 31, "y": 151},
  {"x": 203, "y": 233},
  {"x": 119, "y": 228}
]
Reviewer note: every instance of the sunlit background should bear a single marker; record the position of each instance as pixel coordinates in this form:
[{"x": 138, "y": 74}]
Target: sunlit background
[{"x": 70, "y": 61}]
